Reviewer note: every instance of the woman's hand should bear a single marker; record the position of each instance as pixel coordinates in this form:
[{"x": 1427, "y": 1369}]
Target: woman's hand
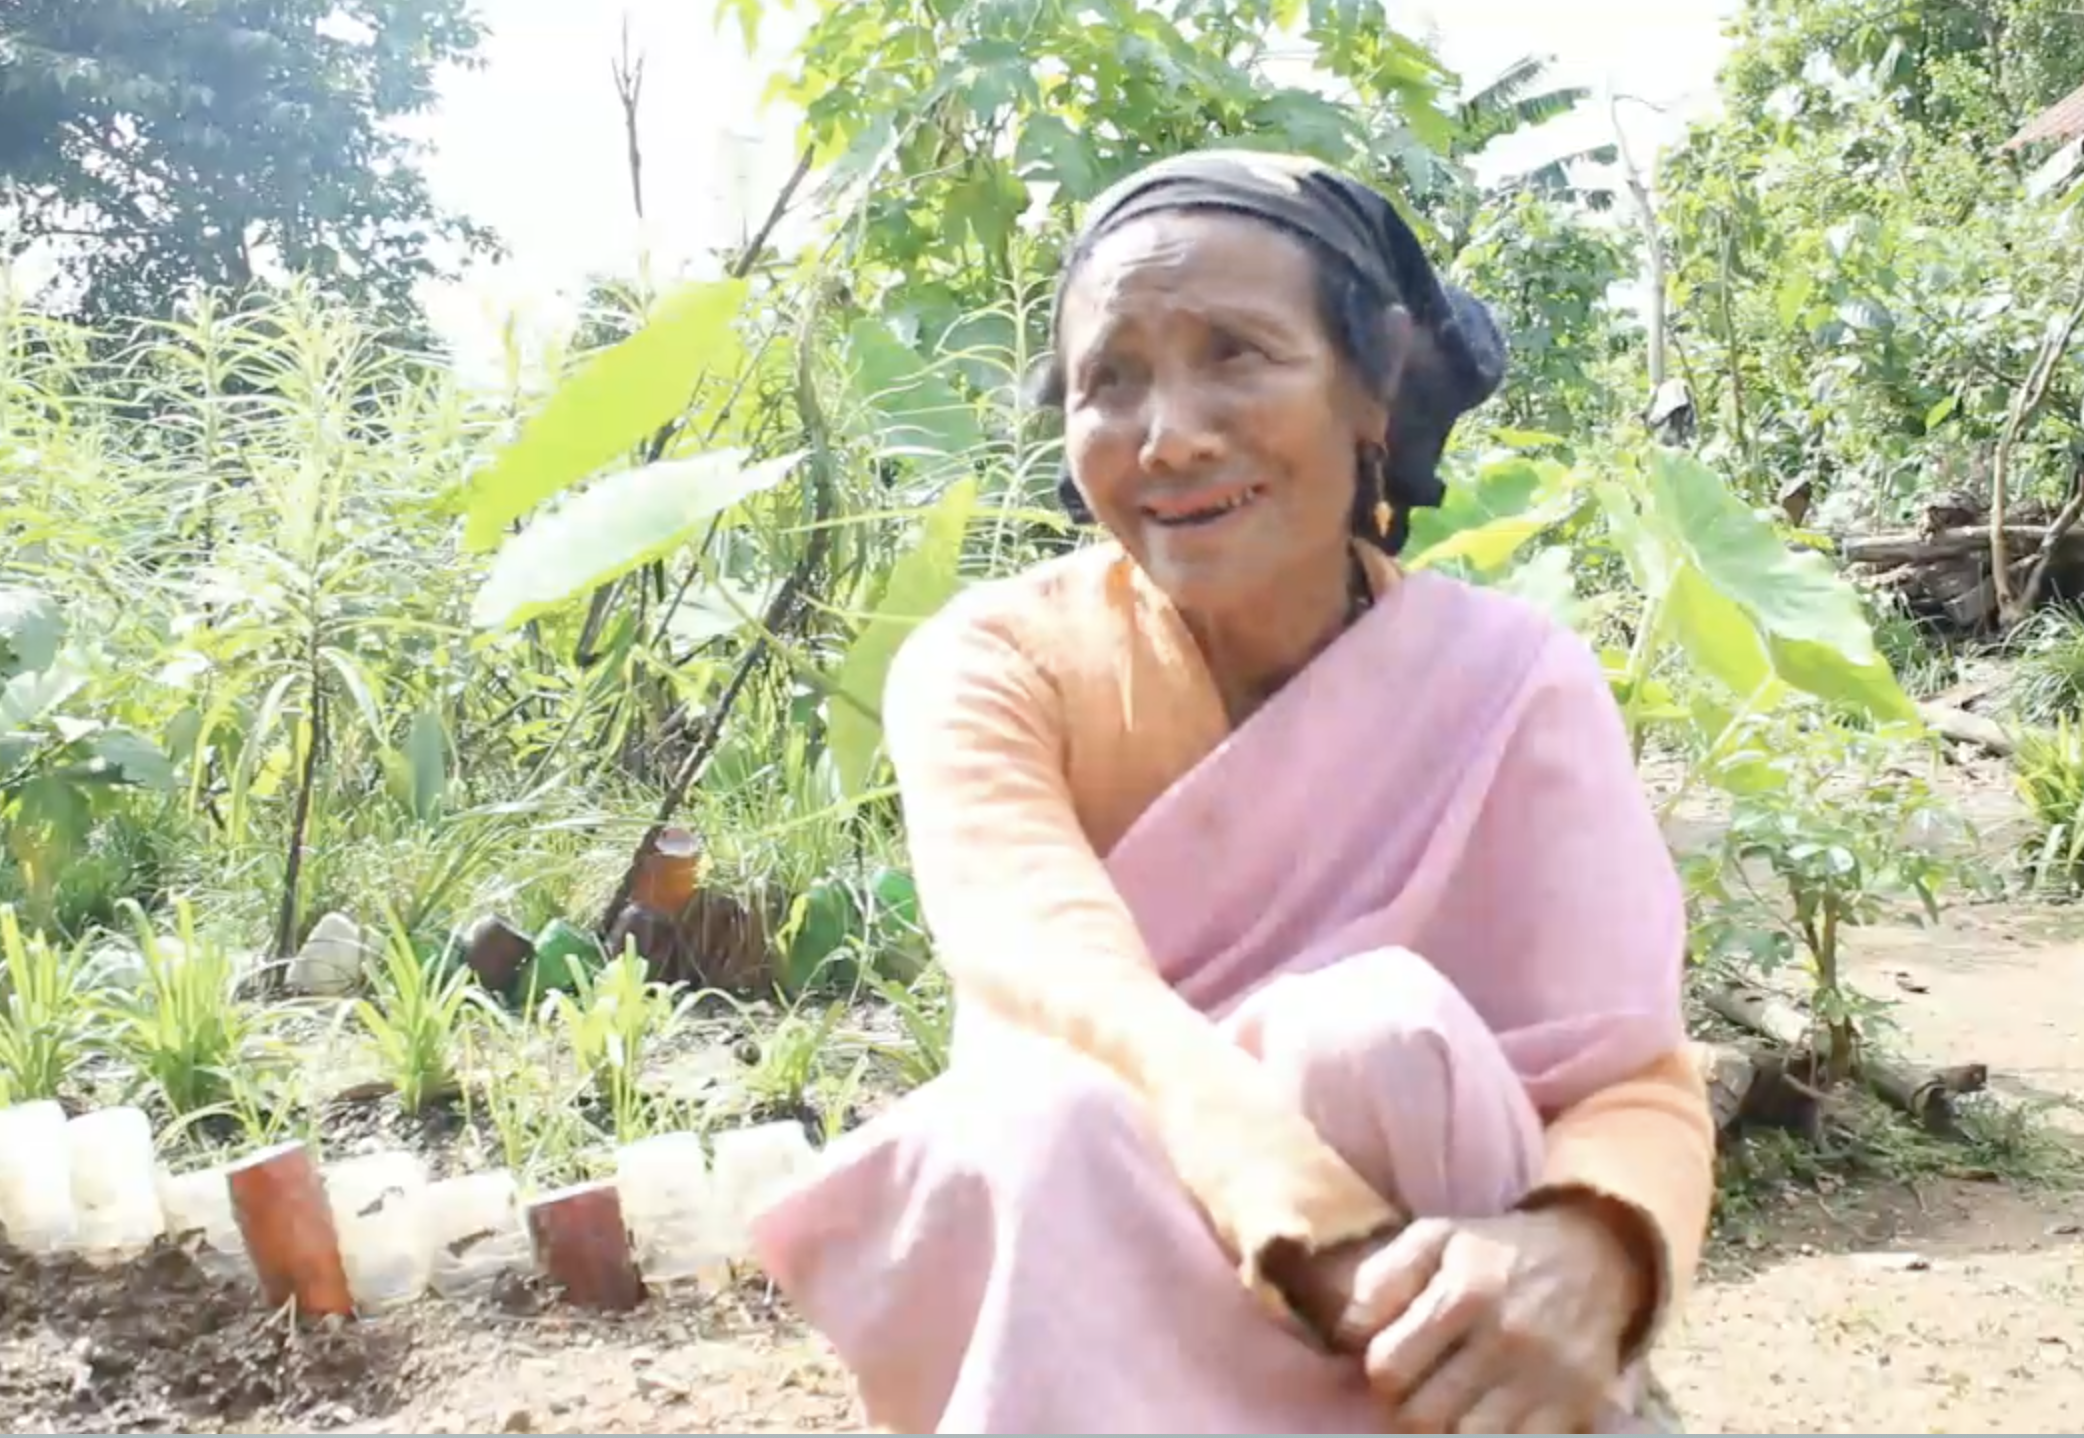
[{"x": 1497, "y": 1325}]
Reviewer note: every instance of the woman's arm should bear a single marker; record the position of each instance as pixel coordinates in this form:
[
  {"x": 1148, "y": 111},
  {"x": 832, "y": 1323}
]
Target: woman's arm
[
  {"x": 1641, "y": 1153},
  {"x": 1569, "y": 915},
  {"x": 1028, "y": 923}
]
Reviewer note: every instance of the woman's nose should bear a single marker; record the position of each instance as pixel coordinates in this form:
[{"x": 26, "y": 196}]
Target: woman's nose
[{"x": 1180, "y": 431}]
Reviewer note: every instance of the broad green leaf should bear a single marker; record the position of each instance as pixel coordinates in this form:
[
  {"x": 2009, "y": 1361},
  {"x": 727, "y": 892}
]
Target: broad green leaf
[
  {"x": 617, "y": 399},
  {"x": 1811, "y": 618},
  {"x": 136, "y": 759},
  {"x": 612, "y": 527},
  {"x": 50, "y": 808},
  {"x": 923, "y": 579},
  {"x": 1487, "y": 521},
  {"x": 914, "y": 412},
  {"x": 1826, "y": 671},
  {"x": 1649, "y": 558},
  {"x": 31, "y": 629},
  {"x": 1717, "y": 635},
  {"x": 1512, "y": 438}
]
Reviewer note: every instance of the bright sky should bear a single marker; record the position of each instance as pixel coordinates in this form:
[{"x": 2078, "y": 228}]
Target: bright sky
[{"x": 532, "y": 143}]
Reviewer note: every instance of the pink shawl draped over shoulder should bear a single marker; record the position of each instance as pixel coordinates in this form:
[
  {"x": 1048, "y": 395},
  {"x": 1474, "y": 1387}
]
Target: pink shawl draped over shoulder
[{"x": 1451, "y": 776}]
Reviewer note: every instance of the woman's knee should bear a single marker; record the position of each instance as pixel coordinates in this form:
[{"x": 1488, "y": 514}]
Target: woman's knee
[
  {"x": 1400, "y": 1074},
  {"x": 1387, "y": 1006}
]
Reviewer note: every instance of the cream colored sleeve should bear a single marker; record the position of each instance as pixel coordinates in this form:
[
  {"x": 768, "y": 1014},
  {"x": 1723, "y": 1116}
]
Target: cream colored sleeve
[
  {"x": 1028, "y": 923},
  {"x": 1647, "y": 1144}
]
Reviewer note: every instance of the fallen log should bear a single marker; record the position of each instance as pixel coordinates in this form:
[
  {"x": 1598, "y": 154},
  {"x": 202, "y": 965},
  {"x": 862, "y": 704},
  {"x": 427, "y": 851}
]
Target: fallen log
[
  {"x": 1962, "y": 727},
  {"x": 1945, "y": 545},
  {"x": 1925, "y": 1095},
  {"x": 1764, "y": 1013},
  {"x": 1730, "y": 1073}
]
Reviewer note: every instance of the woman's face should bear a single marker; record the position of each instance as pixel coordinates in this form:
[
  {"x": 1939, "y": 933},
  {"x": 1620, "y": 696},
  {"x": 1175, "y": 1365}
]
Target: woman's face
[{"x": 1210, "y": 420}]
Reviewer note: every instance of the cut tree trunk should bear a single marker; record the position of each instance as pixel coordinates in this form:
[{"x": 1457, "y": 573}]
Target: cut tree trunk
[{"x": 1747, "y": 1089}]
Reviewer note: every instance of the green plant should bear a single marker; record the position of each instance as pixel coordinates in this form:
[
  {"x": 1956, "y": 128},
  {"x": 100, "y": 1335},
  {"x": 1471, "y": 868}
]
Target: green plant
[
  {"x": 792, "y": 1059},
  {"x": 924, "y": 1011},
  {"x": 185, "y": 1031},
  {"x": 611, "y": 1023},
  {"x": 1836, "y": 827},
  {"x": 57, "y": 763},
  {"x": 2047, "y": 681},
  {"x": 534, "y": 1110},
  {"x": 47, "y": 1011},
  {"x": 413, "y": 1018},
  {"x": 2048, "y": 768}
]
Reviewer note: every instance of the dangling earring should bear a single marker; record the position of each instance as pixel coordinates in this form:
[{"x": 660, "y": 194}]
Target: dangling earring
[{"x": 1385, "y": 513}]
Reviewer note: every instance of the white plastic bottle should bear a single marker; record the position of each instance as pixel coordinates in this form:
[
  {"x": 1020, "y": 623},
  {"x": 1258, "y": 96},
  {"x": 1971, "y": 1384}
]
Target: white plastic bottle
[
  {"x": 199, "y": 1215},
  {"x": 751, "y": 1167},
  {"x": 36, "y": 1206},
  {"x": 477, "y": 1232},
  {"x": 115, "y": 1183},
  {"x": 379, "y": 1205},
  {"x": 663, "y": 1182}
]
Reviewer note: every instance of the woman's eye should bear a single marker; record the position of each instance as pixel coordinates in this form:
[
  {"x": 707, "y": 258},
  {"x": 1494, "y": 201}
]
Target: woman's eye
[{"x": 1230, "y": 347}]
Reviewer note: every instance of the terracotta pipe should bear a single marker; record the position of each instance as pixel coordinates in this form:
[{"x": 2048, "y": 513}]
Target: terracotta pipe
[
  {"x": 279, "y": 1200},
  {"x": 583, "y": 1246}
]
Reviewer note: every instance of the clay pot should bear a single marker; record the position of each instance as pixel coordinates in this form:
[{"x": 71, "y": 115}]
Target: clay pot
[
  {"x": 495, "y": 951},
  {"x": 583, "y": 1246},
  {"x": 279, "y": 1200}
]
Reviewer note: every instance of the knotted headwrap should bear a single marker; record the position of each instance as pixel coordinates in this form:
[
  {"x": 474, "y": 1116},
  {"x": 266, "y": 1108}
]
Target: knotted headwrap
[{"x": 1457, "y": 359}]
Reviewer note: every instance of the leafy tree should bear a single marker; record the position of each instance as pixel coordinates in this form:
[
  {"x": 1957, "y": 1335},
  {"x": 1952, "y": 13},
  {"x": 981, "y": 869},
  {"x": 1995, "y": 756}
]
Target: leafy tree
[
  {"x": 955, "y": 119},
  {"x": 168, "y": 145},
  {"x": 1858, "y": 278},
  {"x": 1550, "y": 274}
]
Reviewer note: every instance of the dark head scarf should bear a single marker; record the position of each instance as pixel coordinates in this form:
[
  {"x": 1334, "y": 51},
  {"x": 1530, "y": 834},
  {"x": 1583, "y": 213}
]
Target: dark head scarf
[{"x": 1457, "y": 359}]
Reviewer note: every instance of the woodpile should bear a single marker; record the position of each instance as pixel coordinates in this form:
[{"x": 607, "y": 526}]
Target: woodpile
[{"x": 1941, "y": 570}]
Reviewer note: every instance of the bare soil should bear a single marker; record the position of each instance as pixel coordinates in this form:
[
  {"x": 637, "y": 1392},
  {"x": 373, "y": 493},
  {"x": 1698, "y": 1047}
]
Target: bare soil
[{"x": 1951, "y": 1304}]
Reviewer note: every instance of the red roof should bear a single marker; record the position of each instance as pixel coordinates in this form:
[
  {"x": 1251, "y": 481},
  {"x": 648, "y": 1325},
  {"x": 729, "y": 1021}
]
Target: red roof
[{"x": 2061, "y": 123}]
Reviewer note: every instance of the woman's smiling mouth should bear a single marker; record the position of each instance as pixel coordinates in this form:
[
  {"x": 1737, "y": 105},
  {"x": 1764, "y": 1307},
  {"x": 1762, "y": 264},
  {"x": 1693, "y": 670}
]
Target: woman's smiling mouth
[{"x": 1203, "y": 506}]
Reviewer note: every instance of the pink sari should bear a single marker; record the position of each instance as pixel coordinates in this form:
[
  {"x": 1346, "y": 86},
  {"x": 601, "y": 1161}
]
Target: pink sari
[{"x": 1423, "y": 886}]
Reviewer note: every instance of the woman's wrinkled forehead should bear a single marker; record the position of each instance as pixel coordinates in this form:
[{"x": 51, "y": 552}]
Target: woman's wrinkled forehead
[{"x": 1200, "y": 260}]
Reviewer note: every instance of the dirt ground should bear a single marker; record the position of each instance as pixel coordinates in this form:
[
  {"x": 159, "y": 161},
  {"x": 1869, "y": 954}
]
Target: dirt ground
[{"x": 1952, "y": 1305}]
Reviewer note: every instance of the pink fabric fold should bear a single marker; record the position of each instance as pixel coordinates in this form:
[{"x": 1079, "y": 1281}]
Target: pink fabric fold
[
  {"x": 1422, "y": 886},
  {"x": 1451, "y": 776}
]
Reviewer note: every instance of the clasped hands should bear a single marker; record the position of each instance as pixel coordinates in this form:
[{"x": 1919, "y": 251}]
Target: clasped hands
[{"x": 1511, "y": 1324}]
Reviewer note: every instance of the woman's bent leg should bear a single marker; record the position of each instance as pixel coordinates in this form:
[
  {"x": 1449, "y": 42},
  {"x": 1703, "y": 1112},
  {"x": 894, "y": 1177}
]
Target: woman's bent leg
[
  {"x": 1009, "y": 1251},
  {"x": 1402, "y": 1077}
]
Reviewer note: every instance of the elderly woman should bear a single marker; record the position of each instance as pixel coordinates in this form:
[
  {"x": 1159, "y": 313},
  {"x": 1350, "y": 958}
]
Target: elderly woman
[{"x": 1319, "y": 1062}]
